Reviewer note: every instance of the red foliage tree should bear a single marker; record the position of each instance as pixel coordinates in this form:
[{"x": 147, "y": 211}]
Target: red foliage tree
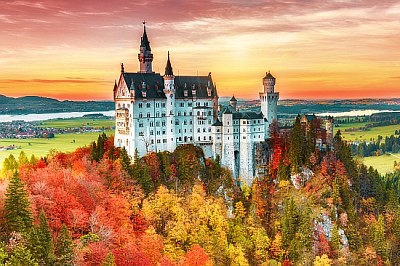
[{"x": 196, "y": 256}]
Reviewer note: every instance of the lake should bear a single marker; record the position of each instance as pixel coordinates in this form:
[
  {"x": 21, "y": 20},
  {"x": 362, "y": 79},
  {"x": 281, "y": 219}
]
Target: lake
[
  {"x": 40, "y": 117},
  {"x": 355, "y": 113}
]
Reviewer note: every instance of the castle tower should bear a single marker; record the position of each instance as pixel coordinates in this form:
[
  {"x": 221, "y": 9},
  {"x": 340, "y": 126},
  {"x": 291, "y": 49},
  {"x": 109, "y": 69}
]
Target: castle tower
[
  {"x": 145, "y": 56},
  {"x": 269, "y": 101},
  {"x": 329, "y": 130},
  {"x": 169, "y": 91}
]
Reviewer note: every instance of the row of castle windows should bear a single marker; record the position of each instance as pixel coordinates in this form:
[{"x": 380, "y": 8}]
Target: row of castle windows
[
  {"x": 148, "y": 115},
  {"x": 148, "y": 105},
  {"x": 123, "y": 106},
  {"x": 151, "y": 124},
  {"x": 245, "y": 122},
  {"x": 243, "y": 137}
]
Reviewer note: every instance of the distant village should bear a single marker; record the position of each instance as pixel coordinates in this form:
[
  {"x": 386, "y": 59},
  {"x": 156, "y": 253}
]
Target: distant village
[{"x": 26, "y": 130}]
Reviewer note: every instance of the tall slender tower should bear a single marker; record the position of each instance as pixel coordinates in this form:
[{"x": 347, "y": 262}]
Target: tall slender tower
[
  {"x": 269, "y": 101},
  {"x": 169, "y": 91},
  {"x": 145, "y": 56}
]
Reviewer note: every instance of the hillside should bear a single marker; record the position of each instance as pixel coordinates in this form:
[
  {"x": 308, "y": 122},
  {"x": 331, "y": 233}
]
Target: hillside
[
  {"x": 311, "y": 207},
  {"x": 40, "y": 105}
]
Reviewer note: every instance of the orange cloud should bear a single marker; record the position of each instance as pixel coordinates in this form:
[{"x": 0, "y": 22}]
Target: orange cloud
[{"x": 339, "y": 49}]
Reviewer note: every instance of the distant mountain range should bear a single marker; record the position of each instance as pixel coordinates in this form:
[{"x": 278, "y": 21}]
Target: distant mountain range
[
  {"x": 286, "y": 107},
  {"x": 41, "y": 105}
]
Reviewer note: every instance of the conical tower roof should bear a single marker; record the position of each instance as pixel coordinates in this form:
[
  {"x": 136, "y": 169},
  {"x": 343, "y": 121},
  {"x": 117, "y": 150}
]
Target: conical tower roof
[
  {"x": 168, "y": 68},
  {"x": 144, "y": 41}
]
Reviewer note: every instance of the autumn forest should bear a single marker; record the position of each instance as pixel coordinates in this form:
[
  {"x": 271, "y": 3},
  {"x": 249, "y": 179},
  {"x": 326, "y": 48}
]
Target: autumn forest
[{"x": 98, "y": 206}]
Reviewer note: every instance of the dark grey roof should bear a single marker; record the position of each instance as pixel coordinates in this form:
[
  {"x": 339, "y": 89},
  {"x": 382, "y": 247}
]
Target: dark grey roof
[
  {"x": 144, "y": 41},
  {"x": 154, "y": 85},
  {"x": 168, "y": 68},
  {"x": 200, "y": 83},
  {"x": 217, "y": 123},
  {"x": 226, "y": 110},
  {"x": 233, "y": 98},
  {"x": 247, "y": 115}
]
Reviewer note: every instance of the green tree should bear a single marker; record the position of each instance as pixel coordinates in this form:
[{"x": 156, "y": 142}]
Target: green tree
[
  {"x": 335, "y": 238},
  {"x": 296, "y": 143},
  {"x": 64, "y": 247},
  {"x": 3, "y": 255},
  {"x": 22, "y": 158},
  {"x": 21, "y": 256},
  {"x": 17, "y": 209},
  {"x": 109, "y": 260},
  {"x": 94, "y": 154},
  {"x": 10, "y": 165},
  {"x": 33, "y": 160},
  {"x": 289, "y": 221},
  {"x": 100, "y": 145},
  {"x": 125, "y": 161},
  {"x": 41, "y": 242},
  {"x": 378, "y": 239}
]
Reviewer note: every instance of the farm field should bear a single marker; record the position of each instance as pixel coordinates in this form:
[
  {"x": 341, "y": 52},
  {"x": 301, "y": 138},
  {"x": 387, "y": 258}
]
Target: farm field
[
  {"x": 383, "y": 163},
  {"x": 41, "y": 146},
  {"x": 79, "y": 122},
  {"x": 366, "y": 135}
]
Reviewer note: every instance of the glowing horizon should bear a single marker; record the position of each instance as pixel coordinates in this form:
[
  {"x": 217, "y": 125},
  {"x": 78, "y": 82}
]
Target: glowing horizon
[{"x": 316, "y": 50}]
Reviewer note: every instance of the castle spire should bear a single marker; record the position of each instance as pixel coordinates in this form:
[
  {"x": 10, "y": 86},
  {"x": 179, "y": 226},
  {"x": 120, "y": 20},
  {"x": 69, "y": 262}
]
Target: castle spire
[
  {"x": 168, "y": 68},
  {"x": 145, "y": 56},
  {"x": 144, "y": 42}
]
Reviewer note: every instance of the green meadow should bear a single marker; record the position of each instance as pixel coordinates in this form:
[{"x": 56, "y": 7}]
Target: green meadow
[
  {"x": 61, "y": 142},
  {"x": 384, "y": 163},
  {"x": 79, "y": 122},
  {"x": 41, "y": 146},
  {"x": 367, "y": 135}
]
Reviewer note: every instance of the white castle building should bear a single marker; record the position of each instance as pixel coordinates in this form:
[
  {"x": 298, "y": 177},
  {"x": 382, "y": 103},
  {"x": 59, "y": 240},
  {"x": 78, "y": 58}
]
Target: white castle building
[{"x": 157, "y": 112}]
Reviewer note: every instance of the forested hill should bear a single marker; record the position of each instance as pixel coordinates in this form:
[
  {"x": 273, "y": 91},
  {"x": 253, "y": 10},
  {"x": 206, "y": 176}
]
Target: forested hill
[
  {"x": 40, "y": 105},
  {"x": 94, "y": 206}
]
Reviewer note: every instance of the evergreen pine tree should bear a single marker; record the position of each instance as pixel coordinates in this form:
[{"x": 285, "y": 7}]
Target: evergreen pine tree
[
  {"x": 335, "y": 238},
  {"x": 296, "y": 141},
  {"x": 17, "y": 210},
  {"x": 125, "y": 161},
  {"x": 41, "y": 242},
  {"x": 100, "y": 146},
  {"x": 64, "y": 248},
  {"x": 94, "y": 155},
  {"x": 289, "y": 221},
  {"x": 21, "y": 256},
  {"x": 378, "y": 238}
]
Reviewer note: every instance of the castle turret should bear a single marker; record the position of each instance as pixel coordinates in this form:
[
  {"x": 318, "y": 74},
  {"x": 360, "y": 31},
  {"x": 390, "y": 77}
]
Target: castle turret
[
  {"x": 145, "y": 56},
  {"x": 169, "y": 91},
  {"x": 329, "y": 130},
  {"x": 269, "y": 101}
]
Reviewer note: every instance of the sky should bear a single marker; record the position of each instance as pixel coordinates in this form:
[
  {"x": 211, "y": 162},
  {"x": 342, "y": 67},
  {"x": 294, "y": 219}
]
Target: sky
[{"x": 315, "y": 49}]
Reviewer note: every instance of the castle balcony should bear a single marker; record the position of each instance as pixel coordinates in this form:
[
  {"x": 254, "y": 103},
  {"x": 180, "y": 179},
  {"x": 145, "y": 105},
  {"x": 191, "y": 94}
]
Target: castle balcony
[{"x": 203, "y": 143}]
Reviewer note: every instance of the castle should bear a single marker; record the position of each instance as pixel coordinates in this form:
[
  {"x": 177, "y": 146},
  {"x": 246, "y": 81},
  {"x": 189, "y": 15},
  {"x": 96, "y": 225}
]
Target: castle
[{"x": 157, "y": 112}]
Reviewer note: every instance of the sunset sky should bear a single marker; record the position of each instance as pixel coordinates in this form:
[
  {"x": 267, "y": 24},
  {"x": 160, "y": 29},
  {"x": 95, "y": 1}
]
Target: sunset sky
[{"x": 316, "y": 49}]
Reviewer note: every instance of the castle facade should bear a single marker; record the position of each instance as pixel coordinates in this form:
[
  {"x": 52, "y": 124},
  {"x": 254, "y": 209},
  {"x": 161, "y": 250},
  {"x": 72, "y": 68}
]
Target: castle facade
[{"x": 155, "y": 112}]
